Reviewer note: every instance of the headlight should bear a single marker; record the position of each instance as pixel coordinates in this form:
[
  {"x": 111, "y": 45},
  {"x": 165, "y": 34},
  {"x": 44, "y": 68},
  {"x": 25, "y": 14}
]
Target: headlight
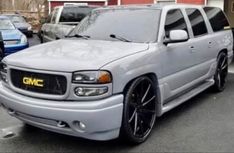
[
  {"x": 92, "y": 77},
  {"x": 23, "y": 39},
  {"x": 98, "y": 79},
  {"x": 90, "y": 91},
  {"x": 29, "y": 28}
]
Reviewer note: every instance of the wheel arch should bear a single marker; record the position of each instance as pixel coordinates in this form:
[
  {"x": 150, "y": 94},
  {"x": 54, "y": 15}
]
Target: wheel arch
[
  {"x": 224, "y": 50},
  {"x": 153, "y": 76}
]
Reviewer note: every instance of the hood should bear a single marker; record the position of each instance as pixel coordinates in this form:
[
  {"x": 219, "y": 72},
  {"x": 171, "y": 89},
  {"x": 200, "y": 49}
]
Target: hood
[
  {"x": 73, "y": 55},
  {"x": 21, "y": 25},
  {"x": 11, "y": 34}
]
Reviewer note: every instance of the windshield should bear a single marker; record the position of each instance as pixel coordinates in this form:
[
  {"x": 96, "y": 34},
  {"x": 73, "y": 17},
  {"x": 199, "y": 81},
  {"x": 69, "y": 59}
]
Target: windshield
[
  {"x": 134, "y": 25},
  {"x": 16, "y": 19},
  {"x": 74, "y": 14},
  {"x": 5, "y": 24}
]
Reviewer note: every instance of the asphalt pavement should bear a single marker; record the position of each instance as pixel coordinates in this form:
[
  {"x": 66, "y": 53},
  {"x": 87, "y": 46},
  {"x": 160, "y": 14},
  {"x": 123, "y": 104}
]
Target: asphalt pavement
[{"x": 202, "y": 124}]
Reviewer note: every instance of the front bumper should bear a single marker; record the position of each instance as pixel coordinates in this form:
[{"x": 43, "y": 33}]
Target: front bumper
[{"x": 102, "y": 118}]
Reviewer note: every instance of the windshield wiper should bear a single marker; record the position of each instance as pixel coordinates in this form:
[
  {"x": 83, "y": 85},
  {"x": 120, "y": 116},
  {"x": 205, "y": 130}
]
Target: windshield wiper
[
  {"x": 119, "y": 38},
  {"x": 78, "y": 36}
]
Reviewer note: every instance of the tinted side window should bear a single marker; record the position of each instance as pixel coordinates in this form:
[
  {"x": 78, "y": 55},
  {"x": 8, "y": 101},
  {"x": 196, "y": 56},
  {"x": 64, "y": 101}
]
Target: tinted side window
[
  {"x": 74, "y": 14},
  {"x": 217, "y": 18},
  {"x": 197, "y": 22},
  {"x": 174, "y": 21}
]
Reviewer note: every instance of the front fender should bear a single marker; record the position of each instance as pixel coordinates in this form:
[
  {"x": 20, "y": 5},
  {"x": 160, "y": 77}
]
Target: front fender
[{"x": 128, "y": 68}]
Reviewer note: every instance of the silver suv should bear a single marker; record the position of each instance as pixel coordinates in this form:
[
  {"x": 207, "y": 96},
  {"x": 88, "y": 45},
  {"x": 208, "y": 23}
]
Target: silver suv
[{"x": 122, "y": 67}]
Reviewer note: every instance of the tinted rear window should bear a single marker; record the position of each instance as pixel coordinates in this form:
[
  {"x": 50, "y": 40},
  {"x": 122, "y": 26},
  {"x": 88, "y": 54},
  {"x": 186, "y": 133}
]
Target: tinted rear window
[
  {"x": 74, "y": 14},
  {"x": 197, "y": 22},
  {"x": 217, "y": 18}
]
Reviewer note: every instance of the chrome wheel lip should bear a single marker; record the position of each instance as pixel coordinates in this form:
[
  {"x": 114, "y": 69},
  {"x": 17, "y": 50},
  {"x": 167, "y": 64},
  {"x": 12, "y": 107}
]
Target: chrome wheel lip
[{"x": 141, "y": 128}]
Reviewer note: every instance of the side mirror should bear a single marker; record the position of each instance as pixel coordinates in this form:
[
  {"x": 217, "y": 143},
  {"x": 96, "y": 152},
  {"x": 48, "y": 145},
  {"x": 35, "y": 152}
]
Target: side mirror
[{"x": 176, "y": 36}]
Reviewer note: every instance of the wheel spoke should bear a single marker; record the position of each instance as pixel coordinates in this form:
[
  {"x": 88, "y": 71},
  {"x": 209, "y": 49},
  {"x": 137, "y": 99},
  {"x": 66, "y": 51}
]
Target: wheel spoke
[
  {"x": 224, "y": 67},
  {"x": 223, "y": 62},
  {"x": 133, "y": 115},
  {"x": 135, "y": 124},
  {"x": 145, "y": 103},
  {"x": 143, "y": 98},
  {"x": 219, "y": 79}
]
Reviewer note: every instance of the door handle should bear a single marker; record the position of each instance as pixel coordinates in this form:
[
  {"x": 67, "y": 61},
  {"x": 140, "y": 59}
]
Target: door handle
[
  {"x": 209, "y": 44},
  {"x": 192, "y": 49}
]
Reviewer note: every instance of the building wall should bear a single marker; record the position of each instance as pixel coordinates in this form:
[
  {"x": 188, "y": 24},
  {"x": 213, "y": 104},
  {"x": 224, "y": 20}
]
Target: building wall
[
  {"x": 112, "y": 2},
  {"x": 136, "y": 2},
  {"x": 216, "y": 3},
  {"x": 199, "y": 2},
  {"x": 54, "y": 4}
]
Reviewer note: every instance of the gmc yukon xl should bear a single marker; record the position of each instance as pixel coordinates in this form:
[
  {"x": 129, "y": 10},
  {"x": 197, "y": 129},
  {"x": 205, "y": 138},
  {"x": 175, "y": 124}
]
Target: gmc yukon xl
[{"x": 119, "y": 70}]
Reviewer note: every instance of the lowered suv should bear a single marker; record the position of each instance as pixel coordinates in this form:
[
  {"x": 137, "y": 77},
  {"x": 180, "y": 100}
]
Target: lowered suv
[{"x": 122, "y": 67}]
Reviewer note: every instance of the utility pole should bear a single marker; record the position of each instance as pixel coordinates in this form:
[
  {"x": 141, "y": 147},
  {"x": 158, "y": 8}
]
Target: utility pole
[
  {"x": 13, "y": 4},
  {"x": 0, "y": 6}
]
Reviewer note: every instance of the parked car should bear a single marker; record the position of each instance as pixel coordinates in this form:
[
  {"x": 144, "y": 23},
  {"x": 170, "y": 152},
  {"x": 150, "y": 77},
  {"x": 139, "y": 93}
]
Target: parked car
[
  {"x": 62, "y": 20},
  {"x": 21, "y": 24},
  {"x": 1, "y": 47},
  {"x": 122, "y": 67},
  {"x": 13, "y": 39}
]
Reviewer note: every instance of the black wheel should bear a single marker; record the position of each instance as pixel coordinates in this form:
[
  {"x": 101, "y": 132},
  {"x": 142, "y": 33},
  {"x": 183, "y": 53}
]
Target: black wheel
[
  {"x": 139, "y": 110},
  {"x": 221, "y": 73}
]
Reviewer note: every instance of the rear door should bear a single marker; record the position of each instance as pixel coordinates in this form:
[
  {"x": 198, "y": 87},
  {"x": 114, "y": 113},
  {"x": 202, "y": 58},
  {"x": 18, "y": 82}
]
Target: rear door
[{"x": 202, "y": 43}]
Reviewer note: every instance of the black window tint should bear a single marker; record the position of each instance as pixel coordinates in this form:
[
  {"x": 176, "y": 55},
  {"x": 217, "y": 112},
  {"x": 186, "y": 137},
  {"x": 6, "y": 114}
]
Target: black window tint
[
  {"x": 74, "y": 14},
  {"x": 217, "y": 18},
  {"x": 175, "y": 21},
  {"x": 197, "y": 22}
]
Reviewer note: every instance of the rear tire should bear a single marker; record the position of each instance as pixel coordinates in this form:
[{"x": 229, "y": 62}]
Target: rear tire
[
  {"x": 221, "y": 73},
  {"x": 139, "y": 112}
]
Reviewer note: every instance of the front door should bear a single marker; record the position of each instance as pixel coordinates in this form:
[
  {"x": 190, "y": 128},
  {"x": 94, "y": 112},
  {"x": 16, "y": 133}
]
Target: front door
[{"x": 179, "y": 58}]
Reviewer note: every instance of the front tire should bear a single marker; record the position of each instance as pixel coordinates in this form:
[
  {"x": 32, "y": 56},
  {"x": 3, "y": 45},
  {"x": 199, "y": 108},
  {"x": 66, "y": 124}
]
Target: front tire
[
  {"x": 221, "y": 73},
  {"x": 139, "y": 112}
]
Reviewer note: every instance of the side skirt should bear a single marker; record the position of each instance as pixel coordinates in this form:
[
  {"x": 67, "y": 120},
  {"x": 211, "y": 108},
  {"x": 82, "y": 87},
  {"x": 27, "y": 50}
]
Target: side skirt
[{"x": 188, "y": 95}]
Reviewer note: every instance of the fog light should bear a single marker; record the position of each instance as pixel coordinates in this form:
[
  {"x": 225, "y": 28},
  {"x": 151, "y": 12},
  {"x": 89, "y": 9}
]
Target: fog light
[
  {"x": 79, "y": 126},
  {"x": 82, "y": 126},
  {"x": 90, "y": 91},
  {"x": 4, "y": 77}
]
